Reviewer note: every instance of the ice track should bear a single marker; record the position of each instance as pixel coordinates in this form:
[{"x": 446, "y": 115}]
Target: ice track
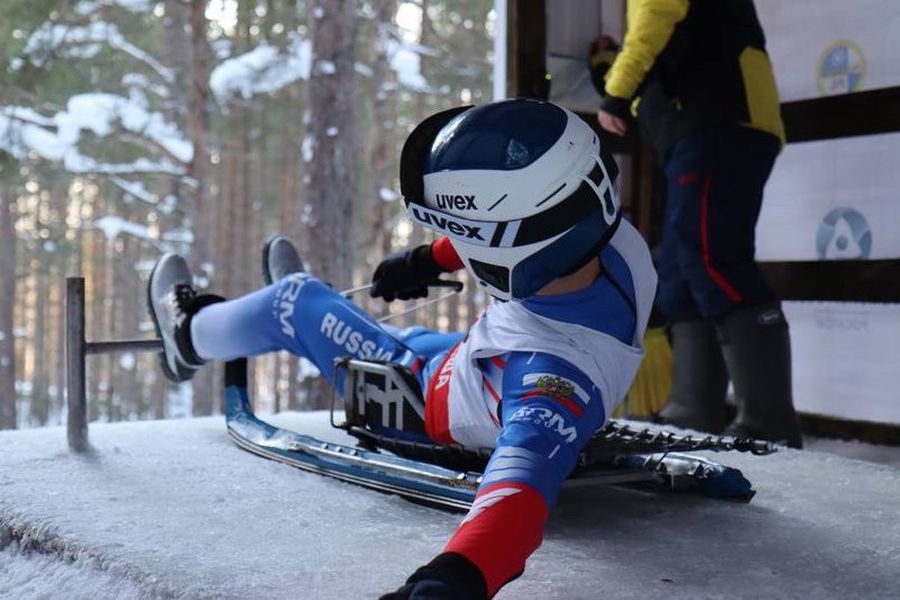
[{"x": 173, "y": 509}]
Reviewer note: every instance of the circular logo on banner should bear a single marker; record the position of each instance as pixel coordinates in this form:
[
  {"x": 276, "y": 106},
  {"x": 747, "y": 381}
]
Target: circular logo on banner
[
  {"x": 841, "y": 69},
  {"x": 843, "y": 234}
]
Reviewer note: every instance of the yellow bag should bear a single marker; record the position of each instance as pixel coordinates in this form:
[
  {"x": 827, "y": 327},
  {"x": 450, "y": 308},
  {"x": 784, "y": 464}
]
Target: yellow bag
[{"x": 653, "y": 382}]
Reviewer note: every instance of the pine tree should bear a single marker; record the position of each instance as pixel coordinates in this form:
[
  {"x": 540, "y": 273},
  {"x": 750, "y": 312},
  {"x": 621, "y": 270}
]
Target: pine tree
[{"x": 8, "y": 417}]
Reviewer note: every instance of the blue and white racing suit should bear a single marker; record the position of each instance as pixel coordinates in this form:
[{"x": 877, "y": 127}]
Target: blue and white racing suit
[{"x": 533, "y": 380}]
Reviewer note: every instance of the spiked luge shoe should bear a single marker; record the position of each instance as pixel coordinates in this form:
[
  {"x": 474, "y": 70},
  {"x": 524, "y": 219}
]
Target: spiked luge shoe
[
  {"x": 172, "y": 302},
  {"x": 280, "y": 258}
]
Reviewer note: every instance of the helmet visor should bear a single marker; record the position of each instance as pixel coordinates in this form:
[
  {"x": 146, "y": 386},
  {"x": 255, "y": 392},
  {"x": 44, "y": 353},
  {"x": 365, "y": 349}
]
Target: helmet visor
[{"x": 535, "y": 228}]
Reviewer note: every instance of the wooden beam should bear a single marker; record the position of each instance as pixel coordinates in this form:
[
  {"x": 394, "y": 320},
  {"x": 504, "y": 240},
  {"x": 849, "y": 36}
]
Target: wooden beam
[
  {"x": 527, "y": 49},
  {"x": 835, "y": 280},
  {"x": 859, "y": 113}
]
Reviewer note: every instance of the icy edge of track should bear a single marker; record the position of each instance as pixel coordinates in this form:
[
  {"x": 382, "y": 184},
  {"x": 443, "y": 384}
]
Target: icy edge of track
[{"x": 38, "y": 562}]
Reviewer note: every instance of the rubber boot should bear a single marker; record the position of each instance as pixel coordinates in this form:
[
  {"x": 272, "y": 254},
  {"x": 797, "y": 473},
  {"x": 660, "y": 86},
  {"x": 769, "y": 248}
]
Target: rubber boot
[
  {"x": 699, "y": 378},
  {"x": 757, "y": 349}
]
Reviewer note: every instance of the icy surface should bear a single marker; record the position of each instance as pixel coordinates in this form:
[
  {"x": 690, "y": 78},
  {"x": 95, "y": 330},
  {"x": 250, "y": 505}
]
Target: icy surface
[
  {"x": 175, "y": 509},
  {"x": 41, "y": 575},
  {"x": 886, "y": 455}
]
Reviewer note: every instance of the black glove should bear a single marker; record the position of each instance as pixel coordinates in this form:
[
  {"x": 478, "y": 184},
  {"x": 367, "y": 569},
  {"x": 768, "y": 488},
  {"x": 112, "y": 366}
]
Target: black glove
[
  {"x": 405, "y": 274},
  {"x": 619, "y": 107},
  {"x": 449, "y": 576}
]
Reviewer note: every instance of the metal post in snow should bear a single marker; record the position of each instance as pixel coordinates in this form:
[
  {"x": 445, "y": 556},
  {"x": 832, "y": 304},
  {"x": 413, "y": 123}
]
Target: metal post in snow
[
  {"x": 76, "y": 423},
  {"x": 77, "y": 349}
]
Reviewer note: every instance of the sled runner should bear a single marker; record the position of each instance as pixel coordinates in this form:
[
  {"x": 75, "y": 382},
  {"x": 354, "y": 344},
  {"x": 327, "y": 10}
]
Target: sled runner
[{"x": 448, "y": 475}]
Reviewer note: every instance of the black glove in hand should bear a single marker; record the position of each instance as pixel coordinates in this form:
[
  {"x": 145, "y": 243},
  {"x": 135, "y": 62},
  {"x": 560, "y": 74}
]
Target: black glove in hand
[
  {"x": 619, "y": 107},
  {"x": 449, "y": 576},
  {"x": 405, "y": 274},
  {"x": 425, "y": 590}
]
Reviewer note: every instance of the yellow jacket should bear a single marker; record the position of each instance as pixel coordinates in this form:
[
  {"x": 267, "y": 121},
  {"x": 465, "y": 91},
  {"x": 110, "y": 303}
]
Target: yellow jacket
[{"x": 678, "y": 64}]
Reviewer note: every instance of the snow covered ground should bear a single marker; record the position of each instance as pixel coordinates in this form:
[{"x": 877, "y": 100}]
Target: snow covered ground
[{"x": 173, "y": 509}]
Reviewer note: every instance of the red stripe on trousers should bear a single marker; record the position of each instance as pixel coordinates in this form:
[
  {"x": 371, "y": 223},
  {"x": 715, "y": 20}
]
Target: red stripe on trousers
[
  {"x": 688, "y": 179},
  {"x": 714, "y": 274}
]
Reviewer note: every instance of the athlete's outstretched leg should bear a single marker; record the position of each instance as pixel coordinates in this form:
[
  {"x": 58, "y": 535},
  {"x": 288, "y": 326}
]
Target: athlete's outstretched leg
[{"x": 298, "y": 313}]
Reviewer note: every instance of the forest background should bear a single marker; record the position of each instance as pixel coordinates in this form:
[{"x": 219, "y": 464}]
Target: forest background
[{"x": 130, "y": 128}]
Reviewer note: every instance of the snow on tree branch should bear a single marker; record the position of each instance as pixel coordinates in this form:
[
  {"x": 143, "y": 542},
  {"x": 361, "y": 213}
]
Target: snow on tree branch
[
  {"x": 27, "y": 115},
  {"x": 75, "y": 162},
  {"x": 388, "y": 195},
  {"x": 86, "y": 7},
  {"x": 266, "y": 70},
  {"x": 19, "y": 136},
  {"x": 23, "y": 130},
  {"x": 113, "y": 226},
  {"x": 137, "y": 190},
  {"x": 77, "y": 41},
  {"x": 263, "y": 70},
  {"x": 99, "y": 112},
  {"x": 406, "y": 61},
  {"x": 138, "y": 84}
]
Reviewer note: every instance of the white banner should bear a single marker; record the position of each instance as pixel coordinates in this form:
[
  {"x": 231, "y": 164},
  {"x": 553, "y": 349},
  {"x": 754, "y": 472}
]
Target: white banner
[
  {"x": 833, "y": 199},
  {"x": 830, "y": 47},
  {"x": 845, "y": 359}
]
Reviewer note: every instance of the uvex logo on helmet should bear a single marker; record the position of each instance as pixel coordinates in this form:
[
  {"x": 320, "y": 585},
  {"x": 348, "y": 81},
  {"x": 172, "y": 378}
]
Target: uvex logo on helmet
[
  {"x": 455, "y": 201},
  {"x": 447, "y": 224}
]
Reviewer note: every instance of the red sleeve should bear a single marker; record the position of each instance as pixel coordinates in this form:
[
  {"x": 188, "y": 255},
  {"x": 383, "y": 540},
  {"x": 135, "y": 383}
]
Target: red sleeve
[
  {"x": 445, "y": 255},
  {"x": 504, "y": 526}
]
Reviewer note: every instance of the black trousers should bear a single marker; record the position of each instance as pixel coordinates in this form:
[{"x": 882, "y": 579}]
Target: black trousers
[{"x": 715, "y": 182}]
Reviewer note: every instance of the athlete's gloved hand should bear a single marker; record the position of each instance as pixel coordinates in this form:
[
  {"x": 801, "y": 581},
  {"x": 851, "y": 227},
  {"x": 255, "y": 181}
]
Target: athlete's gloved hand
[
  {"x": 449, "y": 576},
  {"x": 405, "y": 274}
]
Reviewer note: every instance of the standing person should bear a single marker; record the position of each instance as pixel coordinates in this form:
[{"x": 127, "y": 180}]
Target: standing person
[
  {"x": 696, "y": 75},
  {"x": 526, "y": 198}
]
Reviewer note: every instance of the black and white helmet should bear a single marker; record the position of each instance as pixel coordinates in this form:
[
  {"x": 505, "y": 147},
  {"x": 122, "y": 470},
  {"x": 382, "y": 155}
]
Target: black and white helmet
[{"x": 521, "y": 187}]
